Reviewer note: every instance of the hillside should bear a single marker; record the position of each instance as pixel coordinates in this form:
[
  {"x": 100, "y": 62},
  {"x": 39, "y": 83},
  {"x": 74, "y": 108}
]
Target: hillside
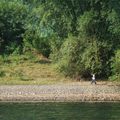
[{"x": 28, "y": 70}]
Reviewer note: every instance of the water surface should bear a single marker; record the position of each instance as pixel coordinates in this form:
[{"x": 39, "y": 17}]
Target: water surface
[{"x": 59, "y": 111}]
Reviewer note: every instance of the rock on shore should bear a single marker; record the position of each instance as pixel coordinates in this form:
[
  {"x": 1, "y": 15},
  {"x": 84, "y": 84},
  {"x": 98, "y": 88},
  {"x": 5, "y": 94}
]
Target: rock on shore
[{"x": 59, "y": 93}]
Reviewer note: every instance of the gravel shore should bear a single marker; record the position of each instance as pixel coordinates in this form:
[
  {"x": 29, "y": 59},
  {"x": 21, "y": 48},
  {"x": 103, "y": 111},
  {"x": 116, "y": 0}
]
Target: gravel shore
[{"x": 59, "y": 93}]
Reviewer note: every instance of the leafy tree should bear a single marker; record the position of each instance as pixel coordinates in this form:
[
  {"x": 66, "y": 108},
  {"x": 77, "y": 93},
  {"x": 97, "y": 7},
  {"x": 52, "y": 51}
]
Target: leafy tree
[
  {"x": 12, "y": 20},
  {"x": 81, "y": 36},
  {"x": 116, "y": 66}
]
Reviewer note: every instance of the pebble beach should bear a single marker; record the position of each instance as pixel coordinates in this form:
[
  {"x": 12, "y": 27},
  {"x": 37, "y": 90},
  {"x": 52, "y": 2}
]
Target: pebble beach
[{"x": 59, "y": 93}]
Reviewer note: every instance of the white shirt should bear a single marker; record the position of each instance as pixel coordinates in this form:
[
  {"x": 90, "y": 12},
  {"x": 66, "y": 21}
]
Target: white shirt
[{"x": 93, "y": 77}]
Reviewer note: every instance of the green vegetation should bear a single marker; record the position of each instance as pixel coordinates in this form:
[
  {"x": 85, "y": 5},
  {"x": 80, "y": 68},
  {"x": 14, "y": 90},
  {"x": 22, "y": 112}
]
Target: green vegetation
[
  {"x": 116, "y": 66},
  {"x": 26, "y": 69},
  {"x": 80, "y": 37}
]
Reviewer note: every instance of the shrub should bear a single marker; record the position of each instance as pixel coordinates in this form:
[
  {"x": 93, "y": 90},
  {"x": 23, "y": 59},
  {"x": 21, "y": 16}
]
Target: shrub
[
  {"x": 116, "y": 66},
  {"x": 82, "y": 56},
  {"x": 55, "y": 46},
  {"x": 12, "y": 26},
  {"x": 2, "y": 73}
]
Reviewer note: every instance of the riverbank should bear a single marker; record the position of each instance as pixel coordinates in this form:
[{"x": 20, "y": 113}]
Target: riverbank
[{"x": 77, "y": 92}]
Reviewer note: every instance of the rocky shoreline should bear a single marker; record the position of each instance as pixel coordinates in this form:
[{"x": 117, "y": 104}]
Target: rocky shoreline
[{"x": 59, "y": 93}]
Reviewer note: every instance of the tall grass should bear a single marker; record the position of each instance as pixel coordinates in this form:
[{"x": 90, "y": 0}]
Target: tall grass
[{"x": 28, "y": 69}]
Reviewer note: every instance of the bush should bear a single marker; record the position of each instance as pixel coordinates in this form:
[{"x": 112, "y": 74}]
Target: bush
[
  {"x": 66, "y": 56},
  {"x": 55, "y": 46},
  {"x": 2, "y": 73},
  {"x": 116, "y": 66},
  {"x": 82, "y": 56},
  {"x": 12, "y": 26}
]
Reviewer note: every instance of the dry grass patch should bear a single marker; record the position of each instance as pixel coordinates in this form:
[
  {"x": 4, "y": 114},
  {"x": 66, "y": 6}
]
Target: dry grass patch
[{"x": 37, "y": 71}]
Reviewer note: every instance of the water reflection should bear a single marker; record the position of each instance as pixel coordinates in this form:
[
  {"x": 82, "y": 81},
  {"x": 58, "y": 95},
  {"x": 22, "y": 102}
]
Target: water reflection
[{"x": 59, "y": 111}]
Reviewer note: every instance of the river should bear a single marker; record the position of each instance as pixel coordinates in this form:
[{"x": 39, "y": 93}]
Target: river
[{"x": 59, "y": 111}]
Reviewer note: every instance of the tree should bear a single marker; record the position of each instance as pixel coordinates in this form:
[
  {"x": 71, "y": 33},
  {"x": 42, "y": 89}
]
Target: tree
[{"x": 12, "y": 21}]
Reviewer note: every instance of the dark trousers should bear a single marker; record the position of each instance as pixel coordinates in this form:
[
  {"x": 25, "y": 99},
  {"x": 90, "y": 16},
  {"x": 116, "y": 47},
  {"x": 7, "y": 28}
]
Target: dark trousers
[{"x": 93, "y": 81}]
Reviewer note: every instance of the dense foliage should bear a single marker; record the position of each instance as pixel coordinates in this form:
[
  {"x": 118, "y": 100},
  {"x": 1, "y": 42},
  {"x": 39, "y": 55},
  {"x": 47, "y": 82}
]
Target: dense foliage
[
  {"x": 116, "y": 66},
  {"x": 12, "y": 26},
  {"x": 80, "y": 36}
]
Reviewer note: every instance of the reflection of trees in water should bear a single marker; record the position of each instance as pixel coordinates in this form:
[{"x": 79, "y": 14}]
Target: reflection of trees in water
[
  {"x": 59, "y": 111},
  {"x": 104, "y": 111}
]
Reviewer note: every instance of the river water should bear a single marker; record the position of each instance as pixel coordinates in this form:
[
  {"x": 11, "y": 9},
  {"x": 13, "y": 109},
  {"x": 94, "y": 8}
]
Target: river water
[{"x": 59, "y": 111}]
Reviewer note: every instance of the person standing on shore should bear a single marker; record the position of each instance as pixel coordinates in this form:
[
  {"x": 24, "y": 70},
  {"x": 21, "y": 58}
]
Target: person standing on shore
[{"x": 93, "y": 79}]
